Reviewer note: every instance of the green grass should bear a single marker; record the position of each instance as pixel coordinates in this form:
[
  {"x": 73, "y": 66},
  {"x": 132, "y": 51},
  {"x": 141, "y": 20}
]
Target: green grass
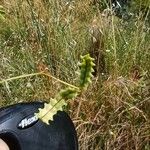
[{"x": 34, "y": 35}]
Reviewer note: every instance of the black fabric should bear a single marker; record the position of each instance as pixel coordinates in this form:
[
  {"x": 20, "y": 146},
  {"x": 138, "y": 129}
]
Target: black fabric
[
  {"x": 59, "y": 135},
  {"x": 11, "y": 141}
]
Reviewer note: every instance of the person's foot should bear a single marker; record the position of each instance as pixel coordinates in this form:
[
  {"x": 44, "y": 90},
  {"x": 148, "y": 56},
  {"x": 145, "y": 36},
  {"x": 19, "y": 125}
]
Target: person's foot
[{"x": 21, "y": 130}]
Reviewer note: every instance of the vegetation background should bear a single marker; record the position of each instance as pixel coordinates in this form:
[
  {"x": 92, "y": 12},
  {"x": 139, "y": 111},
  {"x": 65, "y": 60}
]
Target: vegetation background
[{"x": 37, "y": 35}]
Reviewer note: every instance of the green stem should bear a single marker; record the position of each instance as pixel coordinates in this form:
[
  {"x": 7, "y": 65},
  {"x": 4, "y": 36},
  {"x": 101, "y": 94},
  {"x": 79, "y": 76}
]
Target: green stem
[
  {"x": 63, "y": 82},
  {"x": 19, "y": 77},
  {"x": 38, "y": 73}
]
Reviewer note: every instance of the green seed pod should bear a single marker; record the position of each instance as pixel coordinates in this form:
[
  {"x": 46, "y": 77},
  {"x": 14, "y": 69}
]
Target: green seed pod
[
  {"x": 68, "y": 93},
  {"x": 86, "y": 70}
]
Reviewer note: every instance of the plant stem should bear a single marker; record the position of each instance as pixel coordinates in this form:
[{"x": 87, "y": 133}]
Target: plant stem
[
  {"x": 35, "y": 74},
  {"x": 19, "y": 77},
  {"x": 48, "y": 75}
]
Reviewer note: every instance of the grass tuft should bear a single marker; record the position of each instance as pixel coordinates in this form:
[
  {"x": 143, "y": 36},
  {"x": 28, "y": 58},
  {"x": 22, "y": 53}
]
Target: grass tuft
[{"x": 51, "y": 35}]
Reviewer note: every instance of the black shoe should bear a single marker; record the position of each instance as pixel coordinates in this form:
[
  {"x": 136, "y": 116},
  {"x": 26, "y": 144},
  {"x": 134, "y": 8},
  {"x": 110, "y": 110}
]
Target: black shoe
[{"x": 21, "y": 130}]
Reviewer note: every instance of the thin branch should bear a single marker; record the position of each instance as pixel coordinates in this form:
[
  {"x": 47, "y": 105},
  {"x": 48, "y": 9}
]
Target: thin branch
[
  {"x": 63, "y": 82},
  {"x": 35, "y": 74},
  {"x": 19, "y": 77}
]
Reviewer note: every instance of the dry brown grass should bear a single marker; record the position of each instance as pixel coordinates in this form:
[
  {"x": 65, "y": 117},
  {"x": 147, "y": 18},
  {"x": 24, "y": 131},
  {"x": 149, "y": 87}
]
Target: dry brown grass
[{"x": 113, "y": 114}]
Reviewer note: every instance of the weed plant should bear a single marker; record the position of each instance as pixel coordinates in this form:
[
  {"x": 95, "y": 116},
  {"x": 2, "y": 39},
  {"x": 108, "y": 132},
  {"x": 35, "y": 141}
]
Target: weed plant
[{"x": 37, "y": 35}]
